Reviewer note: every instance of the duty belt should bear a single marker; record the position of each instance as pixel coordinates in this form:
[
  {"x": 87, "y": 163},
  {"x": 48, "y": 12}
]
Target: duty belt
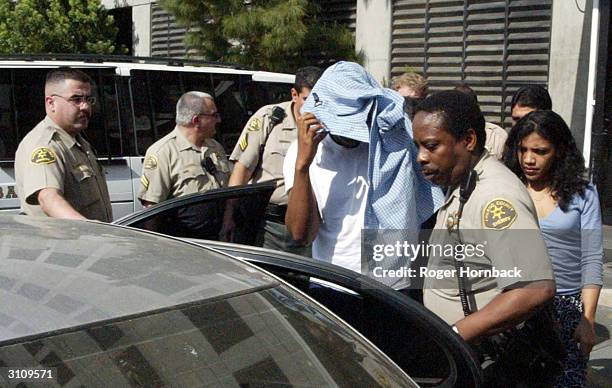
[{"x": 276, "y": 213}]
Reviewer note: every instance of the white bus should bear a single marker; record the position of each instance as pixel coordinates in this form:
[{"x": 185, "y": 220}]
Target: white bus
[{"x": 137, "y": 102}]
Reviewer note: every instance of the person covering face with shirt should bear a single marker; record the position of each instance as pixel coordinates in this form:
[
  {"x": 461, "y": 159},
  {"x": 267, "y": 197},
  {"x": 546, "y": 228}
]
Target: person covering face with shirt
[
  {"x": 449, "y": 131},
  {"x": 56, "y": 170},
  {"x": 259, "y": 156},
  {"x": 187, "y": 160}
]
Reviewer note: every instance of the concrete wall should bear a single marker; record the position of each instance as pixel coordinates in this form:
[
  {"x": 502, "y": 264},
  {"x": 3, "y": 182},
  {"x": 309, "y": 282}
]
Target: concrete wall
[
  {"x": 141, "y": 23},
  {"x": 569, "y": 62},
  {"x": 373, "y": 36}
]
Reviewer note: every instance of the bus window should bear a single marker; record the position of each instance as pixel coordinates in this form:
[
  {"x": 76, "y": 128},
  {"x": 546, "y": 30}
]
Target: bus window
[
  {"x": 103, "y": 131},
  {"x": 8, "y": 132},
  {"x": 199, "y": 82},
  {"x": 230, "y": 104},
  {"x": 258, "y": 94},
  {"x": 143, "y": 111},
  {"x": 29, "y": 87},
  {"x": 119, "y": 143},
  {"x": 154, "y": 94}
]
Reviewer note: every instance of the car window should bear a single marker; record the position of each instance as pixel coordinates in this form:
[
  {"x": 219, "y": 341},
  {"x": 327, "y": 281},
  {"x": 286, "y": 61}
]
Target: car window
[
  {"x": 201, "y": 216},
  {"x": 420, "y": 343},
  {"x": 269, "y": 338}
]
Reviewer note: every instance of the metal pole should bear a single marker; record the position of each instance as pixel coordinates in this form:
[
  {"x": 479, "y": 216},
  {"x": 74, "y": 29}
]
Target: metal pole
[{"x": 594, "y": 46}]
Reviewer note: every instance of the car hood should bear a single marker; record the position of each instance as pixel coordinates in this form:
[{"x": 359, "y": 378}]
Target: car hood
[{"x": 58, "y": 274}]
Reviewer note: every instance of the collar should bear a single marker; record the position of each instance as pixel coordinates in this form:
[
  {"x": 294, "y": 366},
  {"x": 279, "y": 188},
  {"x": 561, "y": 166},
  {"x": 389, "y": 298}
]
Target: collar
[
  {"x": 182, "y": 141},
  {"x": 289, "y": 121},
  {"x": 484, "y": 158},
  {"x": 64, "y": 136},
  {"x": 453, "y": 193}
]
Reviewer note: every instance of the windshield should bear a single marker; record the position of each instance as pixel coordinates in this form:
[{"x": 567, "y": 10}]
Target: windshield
[{"x": 271, "y": 337}]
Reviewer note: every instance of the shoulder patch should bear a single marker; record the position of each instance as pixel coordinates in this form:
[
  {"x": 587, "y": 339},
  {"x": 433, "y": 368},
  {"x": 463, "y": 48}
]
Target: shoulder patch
[
  {"x": 43, "y": 155},
  {"x": 244, "y": 142},
  {"x": 150, "y": 162},
  {"x": 255, "y": 124},
  {"x": 498, "y": 214}
]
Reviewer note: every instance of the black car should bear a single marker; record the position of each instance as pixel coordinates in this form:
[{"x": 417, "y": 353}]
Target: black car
[
  {"x": 417, "y": 340},
  {"x": 87, "y": 304}
]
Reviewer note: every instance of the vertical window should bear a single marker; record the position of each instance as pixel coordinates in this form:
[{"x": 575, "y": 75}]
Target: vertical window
[
  {"x": 29, "y": 89},
  {"x": 154, "y": 95},
  {"x": 8, "y": 132},
  {"x": 28, "y": 86},
  {"x": 230, "y": 104},
  {"x": 104, "y": 132}
]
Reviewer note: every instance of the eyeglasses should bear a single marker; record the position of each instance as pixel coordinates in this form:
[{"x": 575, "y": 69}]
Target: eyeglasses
[
  {"x": 214, "y": 114},
  {"x": 78, "y": 100}
]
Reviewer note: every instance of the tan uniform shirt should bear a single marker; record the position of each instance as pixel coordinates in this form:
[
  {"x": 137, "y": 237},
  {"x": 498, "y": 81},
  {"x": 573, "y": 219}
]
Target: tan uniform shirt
[
  {"x": 499, "y": 222},
  {"x": 174, "y": 167},
  {"x": 496, "y": 139},
  {"x": 48, "y": 157},
  {"x": 280, "y": 138}
]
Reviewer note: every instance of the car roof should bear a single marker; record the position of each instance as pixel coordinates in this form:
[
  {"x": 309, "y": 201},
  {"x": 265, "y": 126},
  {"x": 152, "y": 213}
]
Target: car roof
[{"x": 60, "y": 274}]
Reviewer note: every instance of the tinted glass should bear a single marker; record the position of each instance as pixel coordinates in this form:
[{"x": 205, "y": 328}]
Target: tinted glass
[
  {"x": 202, "y": 216},
  {"x": 29, "y": 104},
  {"x": 272, "y": 338},
  {"x": 104, "y": 131},
  {"x": 259, "y": 94},
  {"x": 154, "y": 95},
  {"x": 29, "y": 92},
  {"x": 422, "y": 353},
  {"x": 8, "y": 131},
  {"x": 234, "y": 115}
]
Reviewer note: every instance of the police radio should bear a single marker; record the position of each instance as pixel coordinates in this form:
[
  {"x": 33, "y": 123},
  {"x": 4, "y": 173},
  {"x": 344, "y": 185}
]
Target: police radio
[
  {"x": 276, "y": 117},
  {"x": 208, "y": 165},
  {"x": 278, "y": 114}
]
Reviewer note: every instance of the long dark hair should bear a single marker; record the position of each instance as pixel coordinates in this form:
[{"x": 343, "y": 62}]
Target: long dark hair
[{"x": 567, "y": 171}]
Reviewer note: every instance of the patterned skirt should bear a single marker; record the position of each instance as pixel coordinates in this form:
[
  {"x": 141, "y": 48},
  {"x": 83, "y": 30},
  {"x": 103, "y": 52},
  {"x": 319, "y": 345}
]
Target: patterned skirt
[{"x": 568, "y": 310}]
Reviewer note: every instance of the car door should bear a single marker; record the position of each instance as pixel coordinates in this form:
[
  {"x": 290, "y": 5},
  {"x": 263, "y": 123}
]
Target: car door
[
  {"x": 201, "y": 215},
  {"x": 417, "y": 340}
]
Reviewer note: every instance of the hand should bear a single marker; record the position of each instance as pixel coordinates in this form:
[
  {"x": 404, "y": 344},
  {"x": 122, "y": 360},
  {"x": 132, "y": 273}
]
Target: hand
[
  {"x": 585, "y": 335},
  {"x": 226, "y": 233},
  {"x": 308, "y": 139}
]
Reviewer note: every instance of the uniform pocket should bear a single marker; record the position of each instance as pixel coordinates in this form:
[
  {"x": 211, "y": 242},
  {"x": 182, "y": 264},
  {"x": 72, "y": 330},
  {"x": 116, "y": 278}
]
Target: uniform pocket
[
  {"x": 192, "y": 180},
  {"x": 279, "y": 147},
  {"x": 83, "y": 191}
]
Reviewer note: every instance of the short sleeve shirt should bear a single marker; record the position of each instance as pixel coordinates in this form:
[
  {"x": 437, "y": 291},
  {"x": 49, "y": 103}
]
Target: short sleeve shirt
[
  {"x": 499, "y": 223},
  {"x": 174, "y": 167},
  {"x": 496, "y": 139},
  {"x": 247, "y": 150},
  {"x": 49, "y": 157}
]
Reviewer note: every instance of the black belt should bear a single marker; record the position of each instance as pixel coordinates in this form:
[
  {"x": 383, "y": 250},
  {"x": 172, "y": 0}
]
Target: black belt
[{"x": 276, "y": 213}]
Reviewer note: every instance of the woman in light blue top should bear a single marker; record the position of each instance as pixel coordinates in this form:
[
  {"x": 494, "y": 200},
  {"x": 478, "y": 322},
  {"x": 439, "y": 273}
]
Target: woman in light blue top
[{"x": 542, "y": 152}]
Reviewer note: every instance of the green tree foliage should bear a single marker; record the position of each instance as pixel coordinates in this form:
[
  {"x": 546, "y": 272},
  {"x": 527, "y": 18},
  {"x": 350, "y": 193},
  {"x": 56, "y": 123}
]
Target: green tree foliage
[
  {"x": 56, "y": 26},
  {"x": 274, "y": 35}
]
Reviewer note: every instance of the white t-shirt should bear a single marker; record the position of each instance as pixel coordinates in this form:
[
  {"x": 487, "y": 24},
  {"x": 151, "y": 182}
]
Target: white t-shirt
[{"x": 339, "y": 179}]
